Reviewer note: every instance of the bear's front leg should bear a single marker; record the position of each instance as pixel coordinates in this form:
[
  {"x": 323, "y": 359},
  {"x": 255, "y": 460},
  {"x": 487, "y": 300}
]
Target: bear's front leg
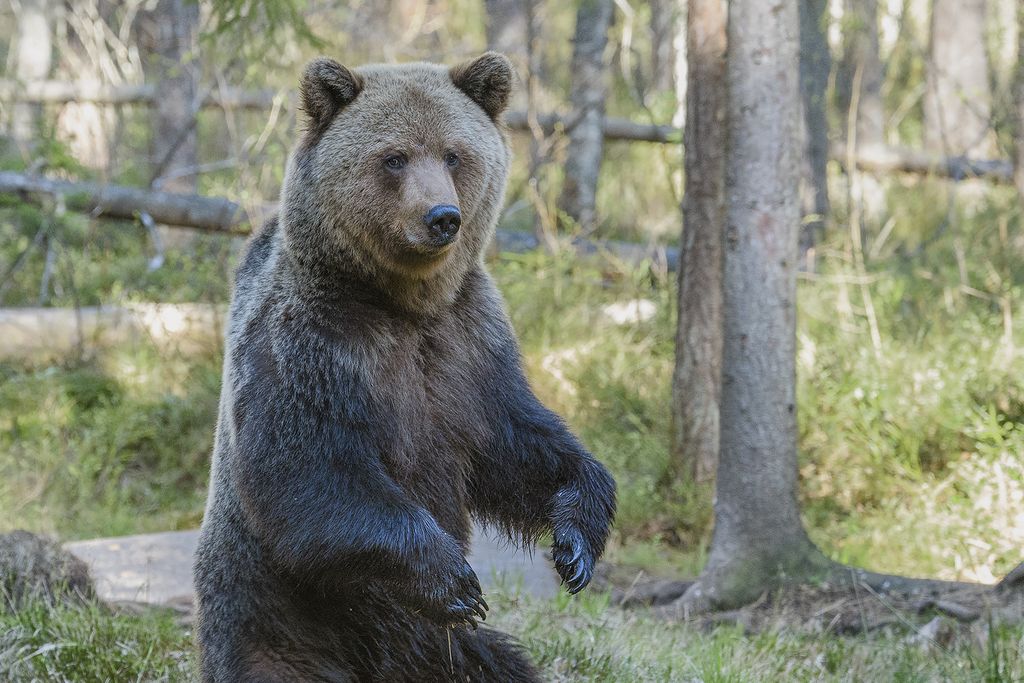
[
  {"x": 581, "y": 517},
  {"x": 441, "y": 585},
  {"x": 535, "y": 477}
]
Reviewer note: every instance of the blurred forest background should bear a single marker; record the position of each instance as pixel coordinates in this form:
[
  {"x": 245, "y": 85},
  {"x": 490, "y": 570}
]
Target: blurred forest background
[{"x": 909, "y": 334}]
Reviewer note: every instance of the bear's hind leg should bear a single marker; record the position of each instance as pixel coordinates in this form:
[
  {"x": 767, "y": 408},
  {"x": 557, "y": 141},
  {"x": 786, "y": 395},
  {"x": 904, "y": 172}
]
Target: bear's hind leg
[
  {"x": 494, "y": 657},
  {"x": 271, "y": 667}
]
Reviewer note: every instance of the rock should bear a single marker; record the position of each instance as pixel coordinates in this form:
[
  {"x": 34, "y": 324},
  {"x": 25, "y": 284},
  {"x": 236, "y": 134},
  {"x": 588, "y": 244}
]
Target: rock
[
  {"x": 938, "y": 632},
  {"x": 33, "y": 567},
  {"x": 156, "y": 569},
  {"x": 629, "y": 312}
]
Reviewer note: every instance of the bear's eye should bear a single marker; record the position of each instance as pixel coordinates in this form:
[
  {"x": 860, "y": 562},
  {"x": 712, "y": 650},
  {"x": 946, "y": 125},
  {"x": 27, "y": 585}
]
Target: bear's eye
[
  {"x": 451, "y": 159},
  {"x": 395, "y": 162}
]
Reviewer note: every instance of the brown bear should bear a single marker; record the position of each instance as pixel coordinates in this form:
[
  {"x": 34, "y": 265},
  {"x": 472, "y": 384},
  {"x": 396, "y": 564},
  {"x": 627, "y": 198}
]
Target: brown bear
[{"x": 373, "y": 402}]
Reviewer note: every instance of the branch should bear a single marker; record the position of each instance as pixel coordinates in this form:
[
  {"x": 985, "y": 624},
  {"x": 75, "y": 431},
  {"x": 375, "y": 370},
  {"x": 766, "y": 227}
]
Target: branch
[
  {"x": 885, "y": 159},
  {"x": 873, "y": 159},
  {"x": 614, "y": 129},
  {"x": 117, "y": 201},
  {"x": 60, "y": 92},
  {"x": 218, "y": 214}
]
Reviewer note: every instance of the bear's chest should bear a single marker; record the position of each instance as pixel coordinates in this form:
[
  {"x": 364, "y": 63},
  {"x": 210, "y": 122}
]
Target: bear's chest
[{"x": 430, "y": 390}]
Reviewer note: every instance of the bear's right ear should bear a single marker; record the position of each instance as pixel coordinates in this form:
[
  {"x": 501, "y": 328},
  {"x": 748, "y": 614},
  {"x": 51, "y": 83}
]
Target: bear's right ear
[
  {"x": 326, "y": 87},
  {"x": 487, "y": 80}
]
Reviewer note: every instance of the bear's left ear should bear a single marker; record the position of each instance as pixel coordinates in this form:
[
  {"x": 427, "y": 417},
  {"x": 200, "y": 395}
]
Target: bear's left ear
[
  {"x": 487, "y": 80},
  {"x": 326, "y": 87}
]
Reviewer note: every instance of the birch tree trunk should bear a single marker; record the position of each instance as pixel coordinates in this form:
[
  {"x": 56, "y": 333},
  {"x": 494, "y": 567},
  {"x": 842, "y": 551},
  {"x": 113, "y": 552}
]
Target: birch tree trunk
[
  {"x": 1018, "y": 106},
  {"x": 958, "y": 98},
  {"x": 696, "y": 383},
  {"x": 759, "y": 539},
  {"x": 665, "y": 17},
  {"x": 587, "y": 94},
  {"x": 33, "y": 60},
  {"x": 861, "y": 75},
  {"x": 815, "y": 67},
  {"x": 507, "y": 32},
  {"x": 170, "y": 33}
]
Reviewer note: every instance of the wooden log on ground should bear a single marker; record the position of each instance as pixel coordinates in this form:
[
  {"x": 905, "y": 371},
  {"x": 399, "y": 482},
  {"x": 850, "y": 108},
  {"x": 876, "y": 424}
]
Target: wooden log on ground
[
  {"x": 613, "y": 128},
  {"x": 883, "y": 159},
  {"x": 63, "y": 92},
  {"x": 118, "y": 201},
  {"x": 223, "y": 215},
  {"x": 56, "y": 332}
]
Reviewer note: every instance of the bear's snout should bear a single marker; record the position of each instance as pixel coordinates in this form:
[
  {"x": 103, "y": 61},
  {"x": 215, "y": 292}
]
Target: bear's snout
[{"x": 443, "y": 222}]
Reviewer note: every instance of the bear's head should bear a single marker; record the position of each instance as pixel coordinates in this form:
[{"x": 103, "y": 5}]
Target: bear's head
[{"x": 401, "y": 173}]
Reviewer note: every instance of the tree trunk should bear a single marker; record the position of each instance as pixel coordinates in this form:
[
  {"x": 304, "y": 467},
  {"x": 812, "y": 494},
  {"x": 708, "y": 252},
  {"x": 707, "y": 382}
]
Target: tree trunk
[
  {"x": 815, "y": 67},
  {"x": 666, "y": 15},
  {"x": 33, "y": 60},
  {"x": 860, "y": 87},
  {"x": 759, "y": 540},
  {"x": 958, "y": 99},
  {"x": 507, "y": 32},
  {"x": 862, "y": 72},
  {"x": 696, "y": 385},
  {"x": 170, "y": 33},
  {"x": 587, "y": 94},
  {"x": 1018, "y": 102}
]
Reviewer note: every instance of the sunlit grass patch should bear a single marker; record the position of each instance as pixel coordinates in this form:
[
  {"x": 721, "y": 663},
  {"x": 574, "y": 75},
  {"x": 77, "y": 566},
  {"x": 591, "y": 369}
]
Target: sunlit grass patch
[
  {"x": 582, "y": 639},
  {"x": 91, "y": 644}
]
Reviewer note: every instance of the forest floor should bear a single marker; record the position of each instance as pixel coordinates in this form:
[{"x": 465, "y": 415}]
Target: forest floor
[
  {"x": 909, "y": 463},
  {"x": 581, "y": 638}
]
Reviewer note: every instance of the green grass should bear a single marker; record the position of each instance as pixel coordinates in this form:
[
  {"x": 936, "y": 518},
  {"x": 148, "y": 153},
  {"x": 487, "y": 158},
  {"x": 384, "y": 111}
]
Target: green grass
[
  {"x": 582, "y": 639},
  {"x": 90, "y": 644},
  {"x": 909, "y": 456},
  {"x": 571, "y": 638},
  {"x": 909, "y": 453}
]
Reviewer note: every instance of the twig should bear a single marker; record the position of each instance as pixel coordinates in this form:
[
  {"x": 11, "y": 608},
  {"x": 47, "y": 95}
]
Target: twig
[{"x": 856, "y": 238}]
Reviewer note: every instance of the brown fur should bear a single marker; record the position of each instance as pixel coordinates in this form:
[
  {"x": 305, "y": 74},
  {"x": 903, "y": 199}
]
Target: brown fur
[
  {"x": 374, "y": 401},
  {"x": 341, "y": 206}
]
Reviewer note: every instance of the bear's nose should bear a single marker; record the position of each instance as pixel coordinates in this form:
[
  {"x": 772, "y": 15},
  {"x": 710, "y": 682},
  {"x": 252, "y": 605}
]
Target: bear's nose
[{"x": 443, "y": 222}]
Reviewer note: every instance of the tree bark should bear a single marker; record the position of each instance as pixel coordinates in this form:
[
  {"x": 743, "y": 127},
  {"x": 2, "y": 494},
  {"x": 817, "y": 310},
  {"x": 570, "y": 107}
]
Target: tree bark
[
  {"x": 666, "y": 15},
  {"x": 1018, "y": 106},
  {"x": 759, "y": 540},
  {"x": 862, "y": 71},
  {"x": 33, "y": 60},
  {"x": 696, "y": 385},
  {"x": 508, "y": 33},
  {"x": 115, "y": 201},
  {"x": 958, "y": 99},
  {"x": 587, "y": 94},
  {"x": 170, "y": 33},
  {"x": 815, "y": 67}
]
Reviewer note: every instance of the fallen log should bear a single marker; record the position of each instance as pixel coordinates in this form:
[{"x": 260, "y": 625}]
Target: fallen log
[
  {"x": 118, "y": 201},
  {"x": 613, "y": 128},
  {"x": 884, "y": 159},
  {"x": 65, "y": 92},
  {"x": 57, "y": 332},
  {"x": 219, "y": 214}
]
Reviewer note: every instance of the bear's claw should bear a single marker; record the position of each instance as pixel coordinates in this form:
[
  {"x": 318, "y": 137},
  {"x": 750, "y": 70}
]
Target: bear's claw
[{"x": 573, "y": 560}]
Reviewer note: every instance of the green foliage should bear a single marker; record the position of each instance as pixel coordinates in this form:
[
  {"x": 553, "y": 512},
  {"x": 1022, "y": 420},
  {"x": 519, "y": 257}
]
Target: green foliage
[
  {"x": 909, "y": 455},
  {"x": 101, "y": 263},
  {"x": 571, "y": 638},
  {"x": 581, "y": 639},
  {"x": 254, "y": 26},
  {"x": 109, "y": 446}
]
